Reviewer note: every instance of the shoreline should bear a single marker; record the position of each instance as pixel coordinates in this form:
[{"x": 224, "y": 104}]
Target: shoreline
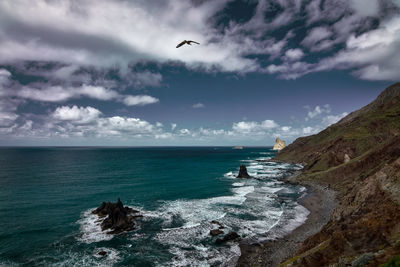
[{"x": 320, "y": 201}]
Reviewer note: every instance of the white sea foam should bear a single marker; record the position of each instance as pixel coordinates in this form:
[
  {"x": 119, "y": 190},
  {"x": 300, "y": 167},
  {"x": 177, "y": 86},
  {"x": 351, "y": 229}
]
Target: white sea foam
[
  {"x": 253, "y": 209},
  {"x": 230, "y": 175},
  {"x": 90, "y": 227},
  {"x": 85, "y": 258},
  {"x": 300, "y": 217}
]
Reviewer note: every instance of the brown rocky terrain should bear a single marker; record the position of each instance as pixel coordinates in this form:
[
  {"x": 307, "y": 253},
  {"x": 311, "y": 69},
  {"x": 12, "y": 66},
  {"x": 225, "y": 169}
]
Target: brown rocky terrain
[{"x": 359, "y": 157}]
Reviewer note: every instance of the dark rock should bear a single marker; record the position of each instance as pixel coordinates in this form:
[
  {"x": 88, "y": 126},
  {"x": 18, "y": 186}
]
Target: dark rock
[
  {"x": 243, "y": 172},
  {"x": 118, "y": 218},
  {"x": 102, "y": 253},
  {"x": 216, "y": 232},
  {"x": 228, "y": 237}
]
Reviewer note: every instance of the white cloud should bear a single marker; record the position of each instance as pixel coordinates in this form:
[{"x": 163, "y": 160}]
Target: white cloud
[
  {"x": 365, "y": 8},
  {"x": 140, "y": 31},
  {"x": 253, "y": 126},
  {"x": 309, "y": 130},
  {"x": 331, "y": 119},
  {"x": 58, "y": 93},
  {"x": 87, "y": 122},
  {"x": 294, "y": 54},
  {"x": 90, "y": 123},
  {"x": 127, "y": 32},
  {"x": 198, "y": 105},
  {"x": 318, "y": 110},
  {"x": 374, "y": 54},
  {"x": 139, "y": 100},
  {"x": 76, "y": 114},
  {"x": 314, "y": 39},
  {"x": 96, "y": 92},
  {"x": 184, "y": 132}
]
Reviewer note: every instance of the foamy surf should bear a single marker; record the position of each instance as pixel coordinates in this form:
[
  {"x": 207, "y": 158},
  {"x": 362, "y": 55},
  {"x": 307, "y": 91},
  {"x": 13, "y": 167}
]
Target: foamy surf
[
  {"x": 90, "y": 228},
  {"x": 257, "y": 209}
]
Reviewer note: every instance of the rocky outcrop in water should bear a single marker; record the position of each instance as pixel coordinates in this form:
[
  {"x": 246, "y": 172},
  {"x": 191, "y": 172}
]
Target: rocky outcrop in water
[
  {"x": 228, "y": 237},
  {"x": 215, "y": 232},
  {"x": 117, "y": 217},
  {"x": 243, "y": 172},
  {"x": 279, "y": 144}
]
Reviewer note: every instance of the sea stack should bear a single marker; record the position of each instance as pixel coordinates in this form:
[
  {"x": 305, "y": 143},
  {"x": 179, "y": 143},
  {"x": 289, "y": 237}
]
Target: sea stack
[
  {"x": 279, "y": 144},
  {"x": 243, "y": 172},
  {"x": 117, "y": 217}
]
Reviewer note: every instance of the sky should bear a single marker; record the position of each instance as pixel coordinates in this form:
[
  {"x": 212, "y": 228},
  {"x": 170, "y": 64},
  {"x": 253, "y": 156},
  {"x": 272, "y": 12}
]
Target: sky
[{"x": 108, "y": 73}]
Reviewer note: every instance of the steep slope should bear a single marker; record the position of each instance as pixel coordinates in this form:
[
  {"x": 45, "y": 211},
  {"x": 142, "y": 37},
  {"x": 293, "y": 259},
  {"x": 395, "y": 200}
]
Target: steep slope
[{"x": 360, "y": 158}]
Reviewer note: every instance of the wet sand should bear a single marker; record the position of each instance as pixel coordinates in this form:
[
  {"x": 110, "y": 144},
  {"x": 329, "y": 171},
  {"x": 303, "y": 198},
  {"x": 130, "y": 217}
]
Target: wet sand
[{"x": 320, "y": 201}]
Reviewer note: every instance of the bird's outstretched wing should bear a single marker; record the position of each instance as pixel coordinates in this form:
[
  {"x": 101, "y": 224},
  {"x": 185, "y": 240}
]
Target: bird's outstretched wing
[
  {"x": 193, "y": 42},
  {"x": 181, "y": 43}
]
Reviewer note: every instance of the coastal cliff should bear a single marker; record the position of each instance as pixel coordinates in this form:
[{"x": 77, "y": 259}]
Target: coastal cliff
[
  {"x": 279, "y": 144},
  {"x": 358, "y": 157}
]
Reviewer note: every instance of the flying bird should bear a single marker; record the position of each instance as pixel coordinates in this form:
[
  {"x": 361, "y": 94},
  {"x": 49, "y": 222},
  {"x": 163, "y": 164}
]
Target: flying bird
[{"x": 186, "y": 42}]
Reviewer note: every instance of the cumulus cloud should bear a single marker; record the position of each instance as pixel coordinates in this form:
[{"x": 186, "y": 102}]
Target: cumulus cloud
[
  {"x": 253, "y": 126},
  {"x": 76, "y": 114},
  {"x": 75, "y": 121},
  {"x": 90, "y": 123},
  {"x": 139, "y": 100},
  {"x": 318, "y": 110},
  {"x": 294, "y": 54}
]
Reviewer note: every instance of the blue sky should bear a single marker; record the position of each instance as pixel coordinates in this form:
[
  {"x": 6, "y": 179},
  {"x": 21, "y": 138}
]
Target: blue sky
[{"x": 74, "y": 73}]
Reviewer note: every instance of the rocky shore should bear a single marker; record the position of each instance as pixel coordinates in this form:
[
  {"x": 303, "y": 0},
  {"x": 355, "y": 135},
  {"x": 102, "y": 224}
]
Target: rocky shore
[
  {"x": 320, "y": 201},
  {"x": 359, "y": 158}
]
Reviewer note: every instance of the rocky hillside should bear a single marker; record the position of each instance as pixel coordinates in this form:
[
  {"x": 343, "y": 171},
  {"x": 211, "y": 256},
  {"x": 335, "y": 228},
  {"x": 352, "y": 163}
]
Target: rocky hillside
[{"x": 360, "y": 158}]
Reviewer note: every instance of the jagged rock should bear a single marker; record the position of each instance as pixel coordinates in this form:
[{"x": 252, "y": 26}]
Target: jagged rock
[
  {"x": 243, "y": 172},
  {"x": 279, "y": 144},
  {"x": 346, "y": 158},
  {"x": 119, "y": 218},
  {"x": 228, "y": 237},
  {"x": 102, "y": 253},
  {"x": 215, "y": 232}
]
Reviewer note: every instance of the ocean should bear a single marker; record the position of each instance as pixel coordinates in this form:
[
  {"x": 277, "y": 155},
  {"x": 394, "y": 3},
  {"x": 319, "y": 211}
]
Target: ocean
[{"x": 47, "y": 194}]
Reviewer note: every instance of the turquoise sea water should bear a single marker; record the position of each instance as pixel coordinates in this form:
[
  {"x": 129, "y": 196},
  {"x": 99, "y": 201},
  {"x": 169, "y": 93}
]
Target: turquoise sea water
[{"x": 46, "y": 195}]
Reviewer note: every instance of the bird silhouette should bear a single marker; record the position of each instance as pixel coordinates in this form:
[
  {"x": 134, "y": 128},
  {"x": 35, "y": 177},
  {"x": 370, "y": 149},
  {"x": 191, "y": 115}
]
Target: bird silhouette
[{"x": 186, "y": 42}]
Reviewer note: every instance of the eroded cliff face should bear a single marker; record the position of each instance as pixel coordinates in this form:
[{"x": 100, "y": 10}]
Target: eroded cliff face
[
  {"x": 279, "y": 144},
  {"x": 360, "y": 158}
]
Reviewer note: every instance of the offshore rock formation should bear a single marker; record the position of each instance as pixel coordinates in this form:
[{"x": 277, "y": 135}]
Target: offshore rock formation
[
  {"x": 117, "y": 217},
  {"x": 279, "y": 144},
  {"x": 228, "y": 237},
  {"x": 359, "y": 157},
  {"x": 243, "y": 172}
]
